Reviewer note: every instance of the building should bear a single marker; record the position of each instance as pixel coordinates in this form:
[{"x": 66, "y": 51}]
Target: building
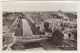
[{"x": 54, "y": 22}]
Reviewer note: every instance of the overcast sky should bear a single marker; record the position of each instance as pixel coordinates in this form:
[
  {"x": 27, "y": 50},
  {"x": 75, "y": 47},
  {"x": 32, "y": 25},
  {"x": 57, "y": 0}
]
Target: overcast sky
[{"x": 39, "y": 6}]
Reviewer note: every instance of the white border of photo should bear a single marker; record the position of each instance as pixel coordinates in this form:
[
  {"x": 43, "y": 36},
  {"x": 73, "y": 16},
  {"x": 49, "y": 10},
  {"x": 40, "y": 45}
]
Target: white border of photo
[{"x": 53, "y": 51}]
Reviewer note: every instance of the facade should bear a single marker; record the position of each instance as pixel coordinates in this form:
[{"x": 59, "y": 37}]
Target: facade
[{"x": 54, "y": 22}]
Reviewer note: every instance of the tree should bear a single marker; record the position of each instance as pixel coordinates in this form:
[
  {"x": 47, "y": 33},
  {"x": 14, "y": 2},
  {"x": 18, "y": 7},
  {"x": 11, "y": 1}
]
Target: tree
[
  {"x": 46, "y": 26},
  {"x": 57, "y": 37},
  {"x": 18, "y": 46},
  {"x": 75, "y": 35},
  {"x": 69, "y": 35}
]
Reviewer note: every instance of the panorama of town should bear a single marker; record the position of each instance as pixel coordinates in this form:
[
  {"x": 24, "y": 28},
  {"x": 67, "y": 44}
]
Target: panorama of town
[{"x": 47, "y": 30}]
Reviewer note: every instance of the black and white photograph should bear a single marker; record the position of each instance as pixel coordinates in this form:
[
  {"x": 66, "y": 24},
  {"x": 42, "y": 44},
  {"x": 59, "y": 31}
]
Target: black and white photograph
[
  {"x": 29, "y": 26},
  {"x": 40, "y": 0}
]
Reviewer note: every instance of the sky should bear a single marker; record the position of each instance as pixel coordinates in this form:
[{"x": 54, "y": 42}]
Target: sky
[{"x": 38, "y": 6}]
